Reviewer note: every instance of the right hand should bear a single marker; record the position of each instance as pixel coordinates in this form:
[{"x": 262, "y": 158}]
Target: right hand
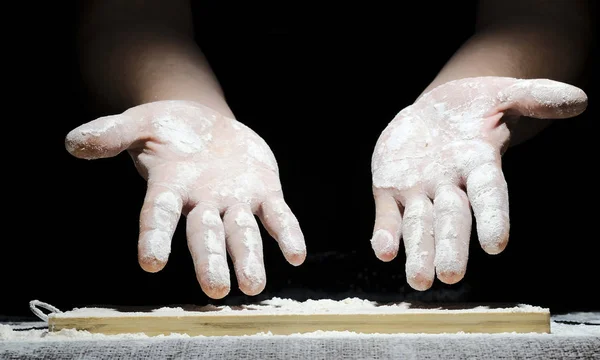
[{"x": 215, "y": 171}]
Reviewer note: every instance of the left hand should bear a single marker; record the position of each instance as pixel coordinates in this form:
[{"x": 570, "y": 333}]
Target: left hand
[{"x": 440, "y": 157}]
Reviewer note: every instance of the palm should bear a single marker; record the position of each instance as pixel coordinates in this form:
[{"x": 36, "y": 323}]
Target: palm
[{"x": 210, "y": 161}]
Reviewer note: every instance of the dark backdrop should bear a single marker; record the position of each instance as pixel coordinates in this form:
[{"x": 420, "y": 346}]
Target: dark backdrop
[{"x": 319, "y": 86}]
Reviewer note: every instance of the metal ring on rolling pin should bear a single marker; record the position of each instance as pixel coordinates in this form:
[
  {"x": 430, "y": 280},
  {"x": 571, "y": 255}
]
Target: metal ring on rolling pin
[{"x": 33, "y": 304}]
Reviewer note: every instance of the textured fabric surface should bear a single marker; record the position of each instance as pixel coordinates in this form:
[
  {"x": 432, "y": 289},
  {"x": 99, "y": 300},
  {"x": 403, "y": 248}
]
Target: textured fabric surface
[{"x": 352, "y": 347}]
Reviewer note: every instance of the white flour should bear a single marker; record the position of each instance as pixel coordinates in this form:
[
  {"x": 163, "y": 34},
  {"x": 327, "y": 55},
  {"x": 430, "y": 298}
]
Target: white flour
[{"x": 286, "y": 306}]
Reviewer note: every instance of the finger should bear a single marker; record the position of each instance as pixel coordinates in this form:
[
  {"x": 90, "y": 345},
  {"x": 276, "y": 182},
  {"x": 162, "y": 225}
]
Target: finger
[
  {"x": 206, "y": 241},
  {"x": 104, "y": 137},
  {"x": 388, "y": 226},
  {"x": 417, "y": 232},
  {"x": 543, "y": 99},
  {"x": 158, "y": 220},
  {"x": 245, "y": 248},
  {"x": 488, "y": 195},
  {"x": 283, "y": 226},
  {"x": 452, "y": 229}
]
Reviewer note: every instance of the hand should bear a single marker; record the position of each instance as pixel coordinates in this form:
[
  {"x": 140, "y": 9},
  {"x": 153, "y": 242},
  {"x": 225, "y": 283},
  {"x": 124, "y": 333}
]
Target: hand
[
  {"x": 215, "y": 171},
  {"x": 440, "y": 157}
]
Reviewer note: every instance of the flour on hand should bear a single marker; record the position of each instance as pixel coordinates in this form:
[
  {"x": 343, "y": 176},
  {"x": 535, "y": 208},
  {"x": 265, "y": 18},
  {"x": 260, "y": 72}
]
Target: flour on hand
[
  {"x": 440, "y": 158},
  {"x": 212, "y": 169}
]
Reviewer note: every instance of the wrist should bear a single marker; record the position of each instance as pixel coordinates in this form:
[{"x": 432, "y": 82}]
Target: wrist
[
  {"x": 177, "y": 70},
  {"x": 139, "y": 69},
  {"x": 183, "y": 89}
]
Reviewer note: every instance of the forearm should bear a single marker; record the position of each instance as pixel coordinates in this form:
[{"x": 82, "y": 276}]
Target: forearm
[
  {"x": 534, "y": 39},
  {"x": 131, "y": 54}
]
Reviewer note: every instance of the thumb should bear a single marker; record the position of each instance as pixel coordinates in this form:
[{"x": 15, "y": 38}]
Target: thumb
[
  {"x": 104, "y": 137},
  {"x": 543, "y": 99}
]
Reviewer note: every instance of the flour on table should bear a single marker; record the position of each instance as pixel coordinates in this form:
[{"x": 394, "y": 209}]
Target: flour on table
[{"x": 287, "y": 306}]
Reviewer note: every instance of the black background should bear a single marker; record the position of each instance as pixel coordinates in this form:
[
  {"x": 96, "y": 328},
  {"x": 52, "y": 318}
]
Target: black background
[{"x": 319, "y": 86}]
